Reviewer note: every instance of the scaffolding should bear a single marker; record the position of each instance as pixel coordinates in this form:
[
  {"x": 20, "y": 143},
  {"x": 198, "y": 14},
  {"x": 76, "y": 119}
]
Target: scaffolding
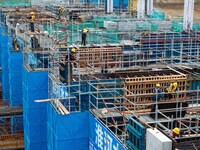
[{"x": 113, "y": 76}]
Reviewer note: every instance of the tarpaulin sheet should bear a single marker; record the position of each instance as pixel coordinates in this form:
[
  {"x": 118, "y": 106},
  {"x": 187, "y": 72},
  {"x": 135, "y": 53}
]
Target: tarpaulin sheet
[
  {"x": 78, "y": 131},
  {"x": 67, "y": 132},
  {"x": 5, "y": 71},
  {"x": 35, "y": 87}
]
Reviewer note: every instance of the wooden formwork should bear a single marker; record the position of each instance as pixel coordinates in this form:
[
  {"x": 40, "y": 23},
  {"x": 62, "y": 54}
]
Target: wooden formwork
[
  {"x": 142, "y": 89},
  {"x": 101, "y": 57}
]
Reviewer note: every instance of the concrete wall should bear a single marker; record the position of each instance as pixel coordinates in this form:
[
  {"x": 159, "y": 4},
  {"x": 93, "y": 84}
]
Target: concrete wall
[{"x": 156, "y": 140}]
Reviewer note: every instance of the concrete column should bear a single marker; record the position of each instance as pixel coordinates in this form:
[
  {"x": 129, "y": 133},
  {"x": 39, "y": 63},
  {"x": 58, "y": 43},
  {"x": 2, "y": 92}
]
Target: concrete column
[
  {"x": 188, "y": 15},
  {"x": 149, "y": 7},
  {"x": 141, "y": 9},
  {"x": 109, "y": 6}
]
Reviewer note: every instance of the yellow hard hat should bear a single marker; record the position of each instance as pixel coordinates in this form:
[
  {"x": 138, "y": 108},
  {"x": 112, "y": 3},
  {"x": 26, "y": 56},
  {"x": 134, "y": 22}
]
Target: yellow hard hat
[
  {"x": 157, "y": 85},
  {"x": 176, "y": 130},
  {"x": 73, "y": 50},
  {"x": 32, "y": 13},
  {"x": 85, "y": 30},
  {"x": 175, "y": 84}
]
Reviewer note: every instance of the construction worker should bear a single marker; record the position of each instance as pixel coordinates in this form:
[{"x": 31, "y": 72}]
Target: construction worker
[
  {"x": 175, "y": 133},
  {"x": 15, "y": 44},
  {"x": 157, "y": 93},
  {"x": 172, "y": 88},
  {"x": 17, "y": 9},
  {"x": 70, "y": 62},
  {"x": 84, "y": 34},
  {"x": 32, "y": 20},
  {"x": 60, "y": 11}
]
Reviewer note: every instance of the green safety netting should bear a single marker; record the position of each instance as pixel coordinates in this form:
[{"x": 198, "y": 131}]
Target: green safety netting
[
  {"x": 74, "y": 32},
  {"x": 14, "y": 3},
  {"x": 196, "y": 26},
  {"x": 177, "y": 25},
  {"x": 158, "y": 15},
  {"x": 147, "y": 27},
  {"x": 177, "y": 20},
  {"x": 95, "y": 37},
  {"x": 105, "y": 18}
]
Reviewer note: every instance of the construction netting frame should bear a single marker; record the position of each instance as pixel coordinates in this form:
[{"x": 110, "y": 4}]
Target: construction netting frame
[{"x": 35, "y": 87}]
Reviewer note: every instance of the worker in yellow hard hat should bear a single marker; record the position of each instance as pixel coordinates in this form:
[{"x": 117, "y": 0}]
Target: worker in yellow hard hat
[
  {"x": 17, "y": 9},
  {"x": 32, "y": 20},
  {"x": 15, "y": 44},
  {"x": 84, "y": 34},
  {"x": 70, "y": 63},
  {"x": 60, "y": 11},
  {"x": 72, "y": 55},
  {"x": 169, "y": 90},
  {"x": 73, "y": 50},
  {"x": 157, "y": 93},
  {"x": 175, "y": 132},
  {"x": 172, "y": 87}
]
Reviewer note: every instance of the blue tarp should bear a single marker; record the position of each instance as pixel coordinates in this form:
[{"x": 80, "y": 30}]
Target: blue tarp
[
  {"x": 15, "y": 65},
  {"x": 100, "y": 138},
  {"x": 35, "y": 87},
  {"x": 5, "y": 71},
  {"x": 78, "y": 131},
  {"x": 67, "y": 132}
]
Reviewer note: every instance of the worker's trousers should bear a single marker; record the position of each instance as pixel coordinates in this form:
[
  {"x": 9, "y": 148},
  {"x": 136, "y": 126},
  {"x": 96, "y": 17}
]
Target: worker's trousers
[
  {"x": 32, "y": 27},
  {"x": 83, "y": 39}
]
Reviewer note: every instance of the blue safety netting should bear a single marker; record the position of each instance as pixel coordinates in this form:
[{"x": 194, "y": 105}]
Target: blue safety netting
[
  {"x": 2, "y": 31},
  {"x": 16, "y": 124},
  {"x": 5, "y": 71},
  {"x": 35, "y": 87},
  {"x": 101, "y": 138},
  {"x": 15, "y": 64},
  {"x": 77, "y": 131},
  {"x": 67, "y": 132}
]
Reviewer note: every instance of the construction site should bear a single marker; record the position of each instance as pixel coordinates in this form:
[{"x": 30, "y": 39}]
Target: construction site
[{"x": 100, "y": 75}]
